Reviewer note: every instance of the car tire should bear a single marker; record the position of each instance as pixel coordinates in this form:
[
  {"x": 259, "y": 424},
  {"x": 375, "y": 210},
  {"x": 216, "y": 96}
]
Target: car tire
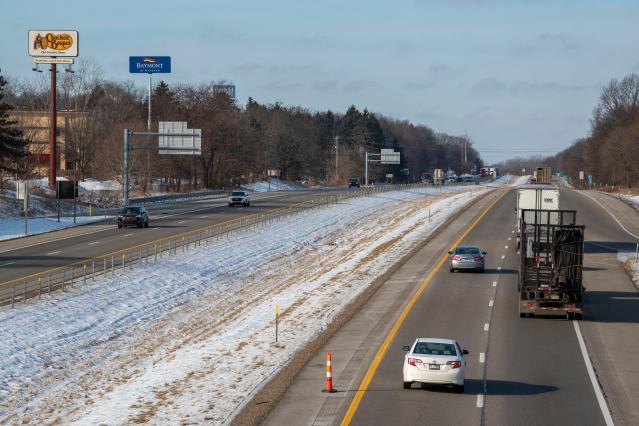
[
  {"x": 146, "y": 224},
  {"x": 459, "y": 388},
  {"x": 230, "y": 205},
  {"x": 482, "y": 270},
  {"x": 119, "y": 226},
  {"x": 407, "y": 385},
  {"x": 248, "y": 204}
]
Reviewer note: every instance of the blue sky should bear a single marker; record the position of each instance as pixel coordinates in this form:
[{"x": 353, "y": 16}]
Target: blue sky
[{"x": 519, "y": 76}]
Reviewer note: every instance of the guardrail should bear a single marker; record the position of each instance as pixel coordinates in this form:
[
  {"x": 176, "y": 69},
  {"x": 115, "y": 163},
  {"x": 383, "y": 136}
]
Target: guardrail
[
  {"x": 20, "y": 290},
  {"x": 218, "y": 193}
]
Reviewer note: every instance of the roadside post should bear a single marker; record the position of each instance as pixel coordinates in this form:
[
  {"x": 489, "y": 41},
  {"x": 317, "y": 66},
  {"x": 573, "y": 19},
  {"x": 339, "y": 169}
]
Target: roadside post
[
  {"x": 277, "y": 315},
  {"x": 23, "y": 194},
  {"x": 637, "y": 253}
]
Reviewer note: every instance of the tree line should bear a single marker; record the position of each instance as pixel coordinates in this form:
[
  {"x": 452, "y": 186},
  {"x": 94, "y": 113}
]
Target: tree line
[
  {"x": 610, "y": 153},
  {"x": 240, "y": 143}
]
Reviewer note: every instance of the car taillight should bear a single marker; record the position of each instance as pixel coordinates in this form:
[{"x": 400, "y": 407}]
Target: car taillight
[
  {"x": 413, "y": 361},
  {"x": 456, "y": 257},
  {"x": 454, "y": 364},
  {"x": 477, "y": 258}
]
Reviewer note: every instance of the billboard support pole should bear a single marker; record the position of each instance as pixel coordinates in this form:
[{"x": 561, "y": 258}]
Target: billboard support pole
[
  {"x": 126, "y": 168},
  {"x": 53, "y": 128},
  {"x": 148, "y": 125}
]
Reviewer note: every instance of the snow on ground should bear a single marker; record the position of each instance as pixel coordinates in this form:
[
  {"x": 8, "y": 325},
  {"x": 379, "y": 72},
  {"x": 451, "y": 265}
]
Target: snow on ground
[
  {"x": 272, "y": 185},
  {"x": 522, "y": 180},
  {"x": 14, "y": 228},
  {"x": 503, "y": 180},
  {"x": 632, "y": 199},
  {"x": 186, "y": 338},
  {"x": 629, "y": 261}
]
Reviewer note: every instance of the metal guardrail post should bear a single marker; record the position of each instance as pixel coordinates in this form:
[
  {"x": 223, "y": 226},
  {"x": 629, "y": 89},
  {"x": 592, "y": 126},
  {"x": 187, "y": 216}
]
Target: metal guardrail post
[
  {"x": 112, "y": 266},
  {"x": 84, "y": 277},
  {"x": 24, "y": 292},
  {"x": 49, "y": 290},
  {"x": 13, "y": 295},
  {"x": 63, "y": 279},
  {"x": 155, "y": 252},
  {"x": 93, "y": 269}
]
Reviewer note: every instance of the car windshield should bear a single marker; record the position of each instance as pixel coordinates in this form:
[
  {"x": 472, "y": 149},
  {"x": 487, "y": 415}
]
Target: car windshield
[
  {"x": 432, "y": 348},
  {"x": 467, "y": 250},
  {"x": 131, "y": 210},
  {"x": 237, "y": 193}
]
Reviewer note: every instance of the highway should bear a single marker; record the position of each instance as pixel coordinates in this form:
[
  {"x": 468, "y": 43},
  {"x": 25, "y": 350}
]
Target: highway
[
  {"x": 26, "y": 256},
  {"x": 532, "y": 371}
]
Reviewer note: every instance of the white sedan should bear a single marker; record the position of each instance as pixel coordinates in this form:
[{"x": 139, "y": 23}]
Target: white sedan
[{"x": 435, "y": 361}]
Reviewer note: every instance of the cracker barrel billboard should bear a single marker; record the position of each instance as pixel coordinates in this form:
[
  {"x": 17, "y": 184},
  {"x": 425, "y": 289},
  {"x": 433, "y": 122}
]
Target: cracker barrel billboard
[{"x": 53, "y": 43}]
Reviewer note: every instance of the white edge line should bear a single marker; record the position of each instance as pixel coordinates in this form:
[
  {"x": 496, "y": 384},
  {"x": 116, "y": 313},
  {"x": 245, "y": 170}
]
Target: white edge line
[
  {"x": 6, "y": 264},
  {"x": 609, "y": 212},
  {"x": 54, "y": 252},
  {"x": 480, "y": 400},
  {"x": 593, "y": 379}
]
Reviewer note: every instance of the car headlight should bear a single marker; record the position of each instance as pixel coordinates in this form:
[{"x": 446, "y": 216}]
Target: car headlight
[{"x": 138, "y": 216}]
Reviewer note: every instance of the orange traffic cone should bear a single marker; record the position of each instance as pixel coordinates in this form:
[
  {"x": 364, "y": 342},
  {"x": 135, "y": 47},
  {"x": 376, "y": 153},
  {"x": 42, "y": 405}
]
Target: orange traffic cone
[{"x": 329, "y": 375}]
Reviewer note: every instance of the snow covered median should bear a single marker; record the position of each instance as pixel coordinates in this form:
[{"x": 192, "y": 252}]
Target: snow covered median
[{"x": 188, "y": 338}]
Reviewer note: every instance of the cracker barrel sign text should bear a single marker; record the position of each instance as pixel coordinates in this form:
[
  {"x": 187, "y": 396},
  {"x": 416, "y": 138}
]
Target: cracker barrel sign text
[{"x": 53, "y": 43}]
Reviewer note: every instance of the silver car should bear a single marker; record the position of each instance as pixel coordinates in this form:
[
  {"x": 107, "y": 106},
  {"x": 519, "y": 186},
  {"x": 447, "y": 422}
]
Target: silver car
[{"x": 467, "y": 257}]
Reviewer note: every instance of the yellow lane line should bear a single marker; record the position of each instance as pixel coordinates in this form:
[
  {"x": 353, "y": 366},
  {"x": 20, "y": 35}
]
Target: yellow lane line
[{"x": 381, "y": 352}]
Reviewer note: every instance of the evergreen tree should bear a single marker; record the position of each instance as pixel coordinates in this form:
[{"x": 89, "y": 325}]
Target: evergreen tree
[{"x": 12, "y": 145}]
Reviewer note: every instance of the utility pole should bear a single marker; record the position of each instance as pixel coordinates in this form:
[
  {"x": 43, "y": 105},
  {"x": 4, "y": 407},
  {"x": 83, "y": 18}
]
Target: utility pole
[
  {"x": 336, "y": 156},
  {"x": 53, "y": 118}
]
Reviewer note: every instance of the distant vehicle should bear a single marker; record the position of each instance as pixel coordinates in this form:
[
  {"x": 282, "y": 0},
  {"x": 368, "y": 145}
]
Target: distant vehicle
[
  {"x": 467, "y": 257},
  {"x": 543, "y": 175},
  {"x": 451, "y": 179},
  {"x": 467, "y": 178},
  {"x": 426, "y": 178},
  {"x": 133, "y": 215},
  {"x": 353, "y": 182},
  {"x": 483, "y": 172},
  {"x": 241, "y": 198},
  {"x": 438, "y": 177},
  {"x": 435, "y": 361}
]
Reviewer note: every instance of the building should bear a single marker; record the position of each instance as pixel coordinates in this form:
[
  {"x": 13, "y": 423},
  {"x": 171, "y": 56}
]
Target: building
[{"x": 35, "y": 128}]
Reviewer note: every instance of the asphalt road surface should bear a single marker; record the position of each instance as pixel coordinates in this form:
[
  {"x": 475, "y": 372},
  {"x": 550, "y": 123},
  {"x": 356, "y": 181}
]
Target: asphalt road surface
[
  {"x": 532, "y": 371},
  {"x": 26, "y": 256}
]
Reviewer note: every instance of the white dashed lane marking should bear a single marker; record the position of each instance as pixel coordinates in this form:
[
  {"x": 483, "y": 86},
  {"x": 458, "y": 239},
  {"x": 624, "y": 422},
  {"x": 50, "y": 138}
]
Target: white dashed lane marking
[
  {"x": 491, "y": 303},
  {"x": 503, "y": 256},
  {"x": 480, "y": 400},
  {"x": 54, "y": 252},
  {"x": 95, "y": 242},
  {"x": 486, "y": 327},
  {"x": 482, "y": 357},
  {"x": 494, "y": 283}
]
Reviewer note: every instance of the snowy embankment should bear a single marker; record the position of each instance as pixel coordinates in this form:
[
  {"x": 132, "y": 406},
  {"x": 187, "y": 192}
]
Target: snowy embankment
[
  {"x": 14, "y": 228},
  {"x": 186, "y": 339},
  {"x": 629, "y": 261},
  {"x": 272, "y": 185},
  {"x": 522, "y": 180},
  {"x": 633, "y": 200}
]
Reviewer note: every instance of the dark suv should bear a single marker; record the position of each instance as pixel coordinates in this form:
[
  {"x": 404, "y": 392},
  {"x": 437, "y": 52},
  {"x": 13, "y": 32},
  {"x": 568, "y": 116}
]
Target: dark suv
[
  {"x": 353, "y": 183},
  {"x": 133, "y": 215}
]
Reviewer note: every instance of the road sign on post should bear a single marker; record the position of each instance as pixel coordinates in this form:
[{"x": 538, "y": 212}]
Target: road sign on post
[{"x": 192, "y": 144}]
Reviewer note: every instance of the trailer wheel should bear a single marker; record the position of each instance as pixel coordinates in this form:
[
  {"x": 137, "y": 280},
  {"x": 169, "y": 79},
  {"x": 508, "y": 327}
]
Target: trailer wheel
[{"x": 578, "y": 315}]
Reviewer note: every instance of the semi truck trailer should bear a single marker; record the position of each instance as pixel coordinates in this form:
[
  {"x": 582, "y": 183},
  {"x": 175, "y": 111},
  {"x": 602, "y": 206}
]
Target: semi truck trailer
[
  {"x": 535, "y": 197},
  {"x": 551, "y": 268}
]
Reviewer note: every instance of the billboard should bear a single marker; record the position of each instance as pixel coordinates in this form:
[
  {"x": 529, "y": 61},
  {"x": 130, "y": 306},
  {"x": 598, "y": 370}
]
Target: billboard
[
  {"x": 149, "y": 64},
  {"x": 58, "y": 43},
  {"x": 229, "y": 89},
  {"x": 388, "y": 156}
]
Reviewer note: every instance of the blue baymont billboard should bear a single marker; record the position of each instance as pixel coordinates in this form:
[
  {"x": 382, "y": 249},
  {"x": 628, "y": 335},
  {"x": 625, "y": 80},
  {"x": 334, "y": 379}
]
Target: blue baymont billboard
[{"x": 149, "y": 64}]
